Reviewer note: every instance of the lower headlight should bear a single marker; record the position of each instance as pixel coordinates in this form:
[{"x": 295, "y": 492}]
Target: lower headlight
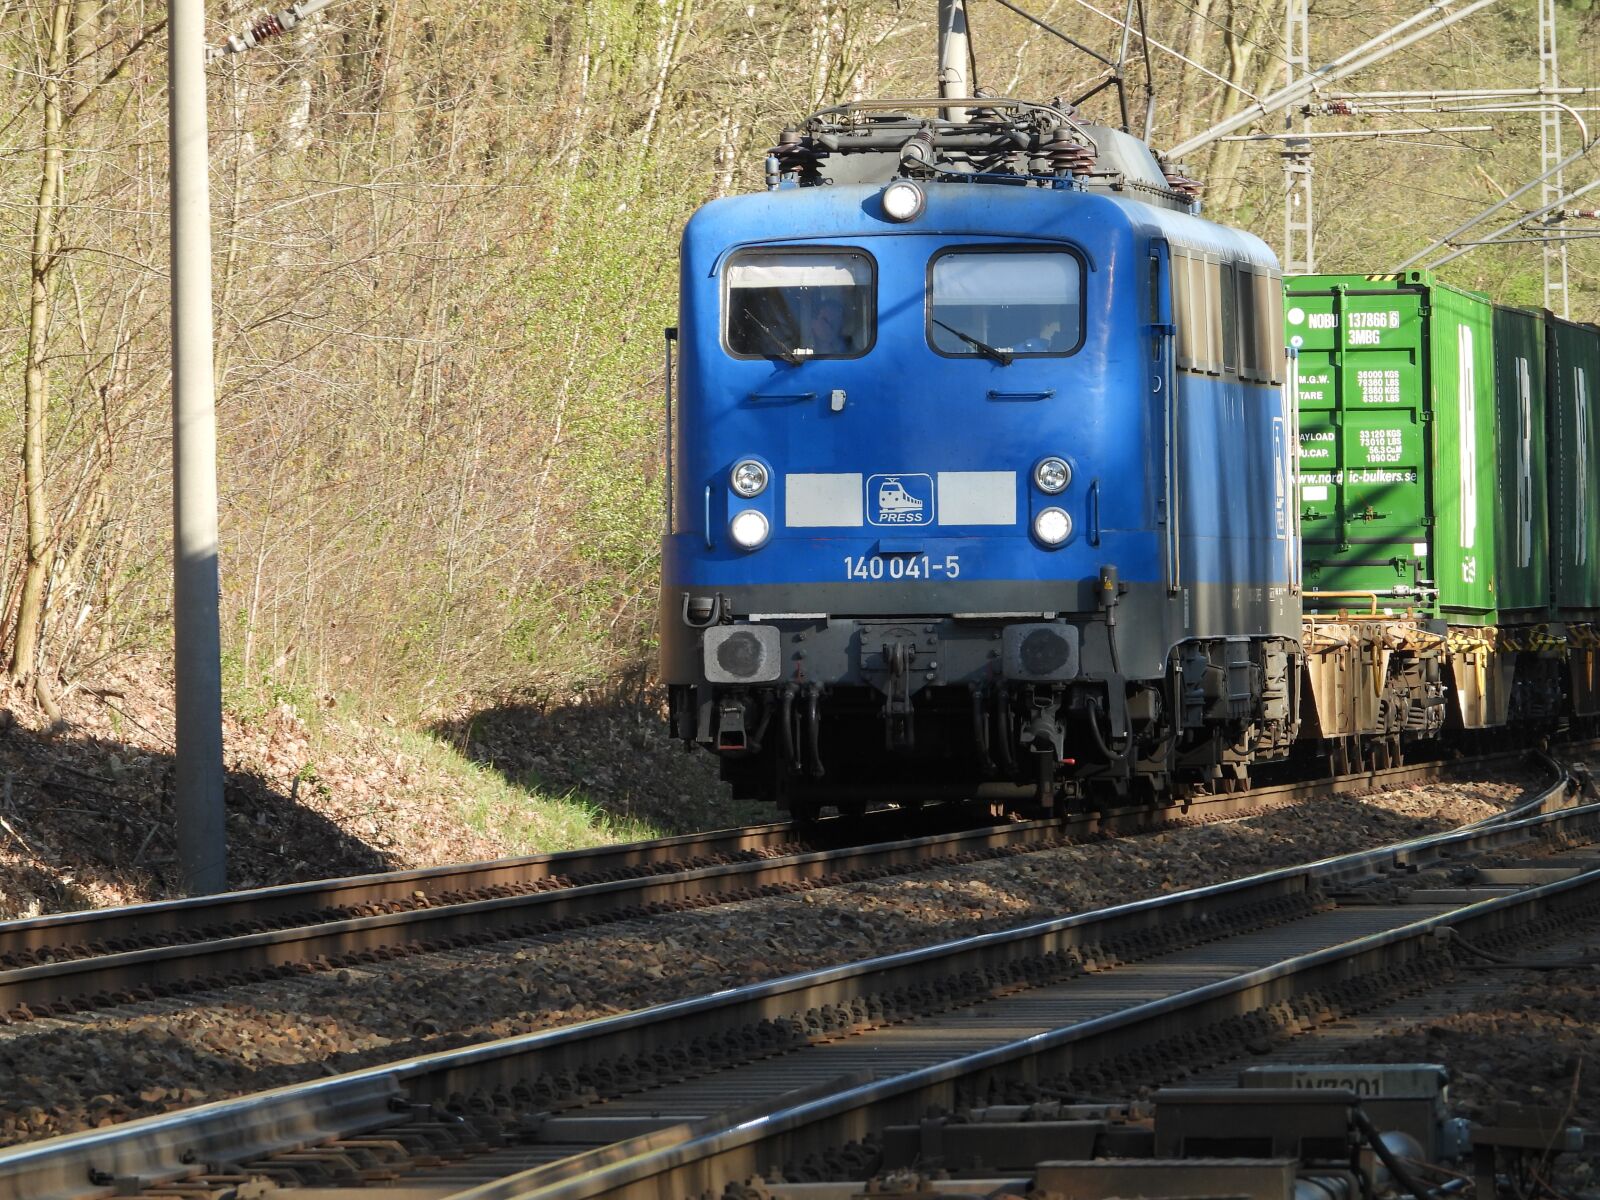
[
  {"x": 1052, "y": 526},
  {"x": 750, "y": 529}
]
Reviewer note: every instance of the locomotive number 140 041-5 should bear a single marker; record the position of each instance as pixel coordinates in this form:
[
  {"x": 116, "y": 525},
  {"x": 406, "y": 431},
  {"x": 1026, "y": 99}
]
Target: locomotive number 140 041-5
[{"x": 901, "y": 566}]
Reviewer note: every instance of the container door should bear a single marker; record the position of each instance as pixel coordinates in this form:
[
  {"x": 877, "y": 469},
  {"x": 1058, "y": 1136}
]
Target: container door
[
  {"x": 1574, "y": 442},
  {"x": 1461, "y": 331},
  {"x": 1522, "y": 534},
  {"x": 1363, "y": 392}
]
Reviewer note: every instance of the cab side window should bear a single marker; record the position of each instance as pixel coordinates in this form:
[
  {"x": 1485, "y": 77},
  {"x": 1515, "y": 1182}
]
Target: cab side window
[
  {"x": 1228, "y": 316},
  {"x": 1269, "y": 326},
  {"x": 1196, "y": 301}
]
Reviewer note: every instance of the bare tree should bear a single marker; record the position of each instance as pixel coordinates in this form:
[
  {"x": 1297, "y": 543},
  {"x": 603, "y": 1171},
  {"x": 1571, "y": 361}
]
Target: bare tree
[{"x": 43, "y": 262}]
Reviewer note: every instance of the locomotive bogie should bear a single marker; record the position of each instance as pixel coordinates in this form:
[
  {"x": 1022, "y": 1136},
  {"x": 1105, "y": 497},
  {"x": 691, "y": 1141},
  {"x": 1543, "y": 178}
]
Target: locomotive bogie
[{"x": 1020, "y": 710}]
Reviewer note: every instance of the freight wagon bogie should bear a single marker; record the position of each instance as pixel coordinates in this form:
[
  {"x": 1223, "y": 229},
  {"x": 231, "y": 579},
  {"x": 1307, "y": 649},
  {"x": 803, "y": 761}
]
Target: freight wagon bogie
[{"x": 1375, "y": 687}]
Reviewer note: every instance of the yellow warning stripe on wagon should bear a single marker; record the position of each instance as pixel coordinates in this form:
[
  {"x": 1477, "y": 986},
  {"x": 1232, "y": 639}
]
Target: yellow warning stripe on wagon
[
  {"x": 1537, "y": 637},
  {"x": 1470, "y": 641}
]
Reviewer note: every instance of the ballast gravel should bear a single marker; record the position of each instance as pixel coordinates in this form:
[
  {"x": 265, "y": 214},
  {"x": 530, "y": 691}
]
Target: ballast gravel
[
  {"x": 1537, "y": 1043},
  {"x": 92, "y": 1069}
]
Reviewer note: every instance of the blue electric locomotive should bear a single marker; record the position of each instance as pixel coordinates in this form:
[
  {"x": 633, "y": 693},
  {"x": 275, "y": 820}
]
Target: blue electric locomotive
[{"x": 980, "y": 471}]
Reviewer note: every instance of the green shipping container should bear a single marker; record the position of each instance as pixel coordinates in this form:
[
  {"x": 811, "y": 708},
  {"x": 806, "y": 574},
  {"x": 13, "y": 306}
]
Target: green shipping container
[
  {"x": 1573, "y": 373},
  {"x": 1522, "y": 531},
  {"x": 1397, "y": 441}
]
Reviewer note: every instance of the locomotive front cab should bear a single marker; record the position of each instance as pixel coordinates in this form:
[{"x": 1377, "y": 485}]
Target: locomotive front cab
[{"x": 922, "y": 539}]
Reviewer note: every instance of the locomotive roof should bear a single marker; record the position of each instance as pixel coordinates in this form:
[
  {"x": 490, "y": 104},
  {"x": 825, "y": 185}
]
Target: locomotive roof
[
  {"x": 1196, "y": 233},
  {"x": 851, "y": 211}
]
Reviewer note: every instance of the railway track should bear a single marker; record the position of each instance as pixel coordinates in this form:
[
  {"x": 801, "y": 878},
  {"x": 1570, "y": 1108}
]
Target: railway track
[
  {"x": 100, "y": 959},
  {"x": 819, "y": 1061}
]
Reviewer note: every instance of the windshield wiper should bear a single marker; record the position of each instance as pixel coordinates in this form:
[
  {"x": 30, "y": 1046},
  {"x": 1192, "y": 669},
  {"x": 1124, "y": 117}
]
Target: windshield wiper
[
  {"x": 1003, "y": 357},
  {"x": 781, "y": 346}
]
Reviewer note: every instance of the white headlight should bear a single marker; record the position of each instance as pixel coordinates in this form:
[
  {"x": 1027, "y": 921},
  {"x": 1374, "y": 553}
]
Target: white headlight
[
  {"x": 749, "y": 529},
  {"x": 748, "y": 478},
  {"x": 1052, "y": 475},
  {"x": 902, "y": 200},
  {"x": 1052, "y": 526}
]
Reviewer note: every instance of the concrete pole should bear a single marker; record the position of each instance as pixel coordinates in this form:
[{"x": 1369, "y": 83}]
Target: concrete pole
[
  {"x": 202, "y": 831},
  {"x": 954, "y": 55}
]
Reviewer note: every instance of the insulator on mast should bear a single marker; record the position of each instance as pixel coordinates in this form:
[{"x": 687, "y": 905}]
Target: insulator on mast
[
  {"x": 1180, "y": 181},
  {"x": 1069, "y": 155},
  {"x": 268, "y": 27}
]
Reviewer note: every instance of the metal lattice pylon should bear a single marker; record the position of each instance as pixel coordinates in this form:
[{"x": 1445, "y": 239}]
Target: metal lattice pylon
[
  {"x": 1555, "y": 252},
  {"x": 1299, "y": 254}
]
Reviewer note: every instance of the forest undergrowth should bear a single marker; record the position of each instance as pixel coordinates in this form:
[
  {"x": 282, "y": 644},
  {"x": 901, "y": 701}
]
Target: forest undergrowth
[{"x": 319, "y": 786}]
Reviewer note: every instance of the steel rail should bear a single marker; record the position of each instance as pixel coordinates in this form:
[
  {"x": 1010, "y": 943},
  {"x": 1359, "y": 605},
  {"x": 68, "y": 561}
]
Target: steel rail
[
  {"x": 182, "y": 1144},
  {"x": 61, "y": 936},
  {"x": 106, "y": 980},
  {"x": 96, "y": 981},
  {"x": 147, "y": 924},
  {"x": 87, "y": 932}
]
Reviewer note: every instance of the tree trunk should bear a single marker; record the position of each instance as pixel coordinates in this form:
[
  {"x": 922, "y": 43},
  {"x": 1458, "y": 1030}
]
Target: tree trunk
[
  {"x": 666, "y": 49},
  {"x": 30, "y": 613},
  {"x": 1250, "y": 72}
]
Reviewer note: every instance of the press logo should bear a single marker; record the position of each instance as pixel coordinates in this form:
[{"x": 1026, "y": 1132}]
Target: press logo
[{"x": 900, "y": 499}]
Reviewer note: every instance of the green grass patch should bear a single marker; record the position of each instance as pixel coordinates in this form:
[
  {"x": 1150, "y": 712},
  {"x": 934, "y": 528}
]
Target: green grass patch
[{"x": 525, "y": 818}]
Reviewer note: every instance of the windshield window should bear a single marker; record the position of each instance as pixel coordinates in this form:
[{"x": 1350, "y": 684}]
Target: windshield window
[
  {"x": 1017, "y": 302},
  {"x": 799, "y": 304}
]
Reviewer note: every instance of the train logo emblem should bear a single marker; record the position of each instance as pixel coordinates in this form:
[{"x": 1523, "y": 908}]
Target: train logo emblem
[{"x": 900, "y": 499}]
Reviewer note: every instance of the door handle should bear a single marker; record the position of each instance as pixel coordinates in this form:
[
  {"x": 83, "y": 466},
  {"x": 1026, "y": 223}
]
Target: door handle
[
  {"x": 1042, "y": 395},
  {"x": 780, "y": 397}
]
